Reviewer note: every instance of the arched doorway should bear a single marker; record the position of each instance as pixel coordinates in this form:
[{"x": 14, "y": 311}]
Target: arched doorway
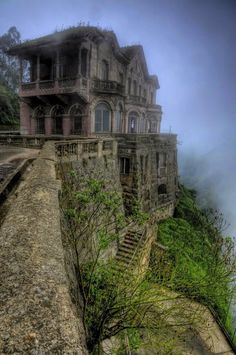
[
  {"x": 57, "y": 120},
  {"x": 39, "y": 120},
  {"x": 76, "y": 120}
]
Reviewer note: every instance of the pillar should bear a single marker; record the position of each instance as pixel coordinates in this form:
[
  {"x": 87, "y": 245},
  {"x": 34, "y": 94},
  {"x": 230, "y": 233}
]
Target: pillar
[
  {"x": 38, "y": 68},
  {"x": 33, "y": 126},
  {"x": 48, "y": 125},
  {"x": 25, "y": 118},
  {"x": 66, "y": 125}
]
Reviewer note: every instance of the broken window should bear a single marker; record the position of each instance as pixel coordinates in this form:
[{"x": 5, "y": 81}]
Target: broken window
[
  {"x": 162, "y": 189},
  {"x": 124, "y": 166}
]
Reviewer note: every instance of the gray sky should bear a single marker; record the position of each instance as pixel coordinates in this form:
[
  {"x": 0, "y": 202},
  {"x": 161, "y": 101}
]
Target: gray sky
[{"x": 189, "y": 44}]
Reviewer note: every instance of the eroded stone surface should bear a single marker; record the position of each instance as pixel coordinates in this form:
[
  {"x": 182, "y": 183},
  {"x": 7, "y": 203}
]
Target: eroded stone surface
[{"x": 36, "y": 312}]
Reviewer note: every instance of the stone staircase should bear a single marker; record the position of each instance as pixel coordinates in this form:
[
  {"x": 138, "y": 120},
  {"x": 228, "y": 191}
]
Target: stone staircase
[{"x": 129, "y": 249}]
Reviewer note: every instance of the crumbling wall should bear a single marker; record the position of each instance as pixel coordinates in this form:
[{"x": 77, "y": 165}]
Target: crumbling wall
[{"x": 37, "y": 315}]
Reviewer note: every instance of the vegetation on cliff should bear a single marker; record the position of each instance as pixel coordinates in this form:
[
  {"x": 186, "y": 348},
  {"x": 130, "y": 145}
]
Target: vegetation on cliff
[
  {"x": 124, "y": 309},
  {"x": 198, "y": 261}
]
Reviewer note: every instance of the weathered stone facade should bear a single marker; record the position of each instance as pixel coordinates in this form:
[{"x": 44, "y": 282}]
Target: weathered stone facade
[{"x": 80, "y": 82}]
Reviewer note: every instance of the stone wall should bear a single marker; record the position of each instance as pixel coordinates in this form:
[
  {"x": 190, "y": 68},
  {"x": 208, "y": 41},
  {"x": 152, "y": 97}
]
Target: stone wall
[
  {"x": 149, "y": 169},
  {"x": 37, "y": 315}
]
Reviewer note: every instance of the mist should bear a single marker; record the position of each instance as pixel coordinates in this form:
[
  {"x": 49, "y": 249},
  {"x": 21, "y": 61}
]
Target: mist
[{"x": 190, "y": 45}]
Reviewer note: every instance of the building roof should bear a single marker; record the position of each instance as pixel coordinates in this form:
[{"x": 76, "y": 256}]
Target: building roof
[{"x": 73, "y": 34}]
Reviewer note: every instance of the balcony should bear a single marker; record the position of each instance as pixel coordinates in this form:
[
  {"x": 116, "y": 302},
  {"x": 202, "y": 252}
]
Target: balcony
[
  {"x": 134, "y": 99},
  {"x": 107, "y": 86},
  {"x": 55, "y": 87}
]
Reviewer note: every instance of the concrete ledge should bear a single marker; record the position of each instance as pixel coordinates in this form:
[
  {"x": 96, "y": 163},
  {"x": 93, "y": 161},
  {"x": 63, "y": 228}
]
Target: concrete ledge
[{"x": 36, "y": 312}]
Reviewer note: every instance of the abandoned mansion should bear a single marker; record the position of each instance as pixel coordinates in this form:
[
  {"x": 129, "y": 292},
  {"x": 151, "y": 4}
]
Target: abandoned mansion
[{"x": 79, "y": 83}]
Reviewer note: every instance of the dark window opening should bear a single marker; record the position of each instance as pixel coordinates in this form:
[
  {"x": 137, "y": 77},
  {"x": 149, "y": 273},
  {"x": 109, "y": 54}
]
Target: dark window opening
[
  {"x": 129, "y": 86},
  {"x": 124, "y": 166},
  {"x": 57, "y": 120},
  {"x": 135, "y": 88},
  {"x": 105, "y": 70},
  {"x": 157, "y": 160},
  {"x": 162, "y": 189},
  {"x": 84, "y": 54}
]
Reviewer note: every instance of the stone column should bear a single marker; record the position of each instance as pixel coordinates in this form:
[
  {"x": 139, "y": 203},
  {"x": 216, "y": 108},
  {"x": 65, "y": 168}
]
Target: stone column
[
  {"x": 86, "y": 123},
  {"x": 38, "y": 68},
  {"x": 24, "y": 118},
  {"x": 48, "y": 125},
  {"x": 33, "y": 126},
  {"x": 66, "y": 125}
]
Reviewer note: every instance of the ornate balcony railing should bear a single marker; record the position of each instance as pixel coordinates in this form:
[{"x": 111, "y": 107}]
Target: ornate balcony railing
[
  {"x": 107, "y": 86},
  {"x": 58, "y": 86},
  {"x": 86, "y": 148},
  {"x": 137, "y": 99}
]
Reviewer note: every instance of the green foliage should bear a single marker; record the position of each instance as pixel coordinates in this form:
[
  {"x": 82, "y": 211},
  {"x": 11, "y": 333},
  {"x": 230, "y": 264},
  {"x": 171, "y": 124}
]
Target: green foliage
[
  {"x": 138, "y": 216},
  {"x": 198, "y": 262},
  {"x": 9, "y": 78}
]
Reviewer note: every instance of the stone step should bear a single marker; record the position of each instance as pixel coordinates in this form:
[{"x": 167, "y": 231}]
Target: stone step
[
  {"x": 128, "y": 245},
  {"x": 133, "y": 241},
  {"x": 126, "y": 250},
  {"x": 124, "y": 258}
]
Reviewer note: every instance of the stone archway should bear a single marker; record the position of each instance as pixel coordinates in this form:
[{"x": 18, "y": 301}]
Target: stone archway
[{"x": 57, "y": 113}]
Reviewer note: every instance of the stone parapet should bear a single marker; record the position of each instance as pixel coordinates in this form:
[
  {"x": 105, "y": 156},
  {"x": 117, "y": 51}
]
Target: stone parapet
[{"x": 37, "y": 315}]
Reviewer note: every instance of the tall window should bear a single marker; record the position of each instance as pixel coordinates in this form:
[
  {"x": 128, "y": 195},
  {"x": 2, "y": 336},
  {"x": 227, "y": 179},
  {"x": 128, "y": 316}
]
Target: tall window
[
  {"x": 39, "y": 116},
  {"x": 105, "y": 70},
  {"x": 76, "y": 120},
  {"x": 84, "y": 69},
  {"x": 135, "y": 88},
  {"x": 102, "y": 118},
  {"x": 129, "y": 86},
  {"x": 57, "y": 118},
  {"x": 124, "y": 166},
  {"x": 133, "y": 122}
]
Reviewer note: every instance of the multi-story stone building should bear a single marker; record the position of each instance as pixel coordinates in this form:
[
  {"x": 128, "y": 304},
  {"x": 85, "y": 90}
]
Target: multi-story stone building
[{"x": 80, "y": 82}]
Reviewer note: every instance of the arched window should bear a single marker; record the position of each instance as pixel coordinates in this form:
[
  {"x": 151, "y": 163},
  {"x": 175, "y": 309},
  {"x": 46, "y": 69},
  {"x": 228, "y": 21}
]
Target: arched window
[
  {"x": 40, "y": 120},
  {"x": 76, "y": 120},
  {"x": 162, "y": 189},
  {"x": 57, "y": 120},
  {"x": 118, "y": 125},
  {"x": 105, "y": 70},
  {"x": 102, "y": 118},
  {"x": 133, "y": 123}
]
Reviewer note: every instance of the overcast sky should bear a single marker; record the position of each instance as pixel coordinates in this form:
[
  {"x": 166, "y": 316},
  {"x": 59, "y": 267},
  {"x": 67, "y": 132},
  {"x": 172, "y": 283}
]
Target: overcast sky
[{"x": 189, "y": 44}]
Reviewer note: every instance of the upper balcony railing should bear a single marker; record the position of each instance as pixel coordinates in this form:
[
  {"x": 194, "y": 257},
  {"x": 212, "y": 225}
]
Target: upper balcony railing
[
  {"x": 137, "y": 99},
  {"x": 107, "y": 86},
  {"x": 59, "y": 86}
]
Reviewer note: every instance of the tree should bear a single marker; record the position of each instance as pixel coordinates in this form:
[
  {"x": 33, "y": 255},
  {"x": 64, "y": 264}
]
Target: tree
[
  {"x": 9, "y": 65},
  {"x": 116, "y": 302},
  {"x": 9, "y": 78}
]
